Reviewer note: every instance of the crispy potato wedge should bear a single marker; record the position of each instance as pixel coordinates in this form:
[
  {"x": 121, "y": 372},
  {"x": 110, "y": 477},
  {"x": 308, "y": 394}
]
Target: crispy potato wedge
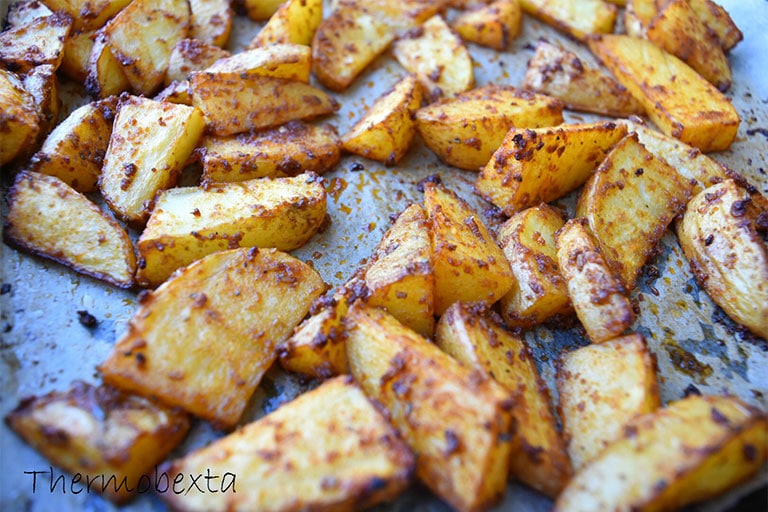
[
  {"x": 718, "y": 21},
  {"x": 88, "y": 14},
  {"x": 190, "y": 55},
  {"x": 728, "y": 257},
  {"x": 638, "y": 15},
  {"x": 43, "y": 84},
  {"x": 400, "y": 277},
  {"x": 628, "y": 203},
  {"x": 676, "y": 98},
  {"x": 539, "y": 165},
  {"x": 465, "y": 130},
  {"x": 105, "y": 74},
  {"x": 678, "y": 30},
  {"x": 48, "y": 218},
  {"x": 19, "y": 120},
  {"x": 190, "y": 222},
  {"x": 577, "y": 18},
  {"x": 691, "y": 450},
  {"x": 361, "y": 30},
  {"x": 563, "y": 75},
  {"x": 468, "y": 263},
  {"x": 538, "y": 455},
  {"x": 385, "y": 132},
  {"x": 602, "y": 388},
  {"x": 23, "y": 12},
  {"x": 494, "y": 25},
  {"x": 438, "y": 58},
  {"x": 237, "y": 305},
  {"x": 539, "y": 291},
  {"x": 330, "y": 446},
  {"x": 597, "y": 295},
  {"x": 295, "y": 21},
  {"x": 456, "y": 420},
  {"x": 288, "y": 150},
  {"x": 149, "y": 145},
  {"x": 111, "y": 438},
  {"x": 286, "y": 60},
  {"x": 176, "y": 92},
  {"x": 39, "y": 42},
  {"x": 210, "y": 21},
  {"x": 74, "y": 151},
  {"x": 76, "y": 55},
  {"x": 142, "y": 36}
]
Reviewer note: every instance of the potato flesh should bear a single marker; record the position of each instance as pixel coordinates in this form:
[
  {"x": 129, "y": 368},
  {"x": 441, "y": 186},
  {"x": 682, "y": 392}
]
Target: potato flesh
[
  {"x": 43, "y": 84},
  {"x": 190, "y": 55},
  {"x": 718, "y": 21},
  {"x": 294, "y": 22},
  {"x": 105, "y": 75},
  {"x": 37, "y": 43},
  {"x": 90, "y": 14},
  {"x": 19, "y": 123},
  {"x": 316, "y": 348},
  {"x": 578, "y": 18},
  {"x": 494, "y": 25},
  {"x": 23, "y": 12},
  {"x": 286, "y": 60},
  {"x": 210, "y": 21}
]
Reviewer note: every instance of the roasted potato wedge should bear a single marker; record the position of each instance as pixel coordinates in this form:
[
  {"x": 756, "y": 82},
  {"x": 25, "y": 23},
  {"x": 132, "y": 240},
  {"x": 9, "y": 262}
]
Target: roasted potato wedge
[
  {"x": 111, "y": 438},
  {"x": 718, "y": 21},
  {"x": 176, "y": 92},
  {"x": 563, "y": 75},
  {"x": 538, "y": 451},
  {"x": 330, "y": 446},
  {"x": 539, "y": 291},
  {"x": 22, "y": 12},
  {"x": 259, "y": 10},
  {"x": 385, "y": 132},
  {"x": 457, "y": 421},
  {"x": 577, "y": 18},
  {"x": 43, "y": 84},
  {"x": 105, "y": 75},
  {"x": 236, "y": 306},
  {"x": 691, "y": 450},
  {"x": 728, "y": 257},
  {"x": 88, "y": 14},
  {"x": 39, "y": 42},
  {"x": 628, "y": 203},
  {"x": 465, "y": 130},
  {"x": 19, "y": 120},
  {"x": 286, "y": 60},
  {"x": 597, "y": 295},
  {"x": 74, "y": 151},
  {"x": 638, "y": 15},
  {"x": 602, "y": 388},
  {"x": 190, "y": 55},
  {"x": 540, "y": 165},
  {"x": 295, "y": 21},
  {"x": 210, "y": 21},
  {"x": 48, "y": 218},
  {"x": 468, "y": 263},
  {"x": 190, "y": 222},
  {"x": 149, "y": 145},
  {"x": 675, "y": 97},
  {"x": 494, "y": 25},
  {"x": 76, "y": 55},
  {"x": 438, "y": 58}
]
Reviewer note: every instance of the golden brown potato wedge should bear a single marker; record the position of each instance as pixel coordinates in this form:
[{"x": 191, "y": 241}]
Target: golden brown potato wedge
[
  {"x": 540, "y": 165},
  {"x": 628, "y": 203},
  {"x": 539, "y": 291},
  {"x": 691, "y": 450},
  {"x": 235, "y": 307},
  {"x": 150, "y": 142},
  {"x": 48, "y": 218},
  {"x": 295, "y": 21},
  {"x": 286, "y": 60},
  {"x": 190, "y": 55},
  {"x": 468, "y": 263},
  {"x": 210, "y": 21},
  {"x": 76, "y": 54},
  {"x": 331, "y": 447},
  {"x": 110, "y": 438},
  {"x": 638, "y": 15},
  {"x": 176, "y": 92},
  {"x": 563, "y": 75},
  {"x": 19, "y": 120},
  {"x": 88, "y": 14},
  {"x": 190, "y": 222},
  {"x": 385, "y": 132},
  {"x": 43, "y": 84},
  {"x": 494, "y": 25},
  {"x": 105, "y": 74},
  {"x": 597, "y": 295},
  {"x": 538, "y": 455},
  {"x": 728, "y": 257},
  {"x": 676, "y": 98},
  {"x": 39, "y": 42},
  {"x": 577, "y": 18},
  {"x": 718, "y": 21},
  {"x": 456, "y": 421},
  {"x": 601, "y": 388},
  {"x": 438, "y": 58}
]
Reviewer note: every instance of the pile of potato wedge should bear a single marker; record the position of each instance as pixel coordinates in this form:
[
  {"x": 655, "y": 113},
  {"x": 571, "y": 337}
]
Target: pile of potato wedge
[{"x": 195, "y": 165}]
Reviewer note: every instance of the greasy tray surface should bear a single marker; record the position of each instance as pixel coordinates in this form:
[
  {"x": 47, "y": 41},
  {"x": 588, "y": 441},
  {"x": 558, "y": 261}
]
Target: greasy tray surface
[{"x": 44, "y": 347}]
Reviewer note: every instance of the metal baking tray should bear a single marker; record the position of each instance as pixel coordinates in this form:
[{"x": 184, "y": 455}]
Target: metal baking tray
[{"x": 44, "y": 347}]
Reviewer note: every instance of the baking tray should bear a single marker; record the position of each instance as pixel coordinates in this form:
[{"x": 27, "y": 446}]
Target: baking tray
[{"x": 44, "y": 347}]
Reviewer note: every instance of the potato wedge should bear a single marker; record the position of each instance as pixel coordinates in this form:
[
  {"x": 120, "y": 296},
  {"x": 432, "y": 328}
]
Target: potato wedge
[
  {"x": 76, "y": 54},
  {"x": 676, "y": 98},
  {"x": 597, "y": 296},
  {"x": 111, "y": 438},
  {"x": 260, "y": 10},
  {"x": 142, "y": 36},
  {"x": 728, "y": 257},
  {"x": 628, "y": 203},
  {"x": 691, "y": 450},
  {"x": 190, "y": 55},
  {"x": 638, "y": 15},
  {"x": 88, "y": 14},
  {"x": 539, "y": 291},
  {"x": 601, "y": 389},
  {"x": 563, "y": 75},
  {"x": 291, "y": 149},
  {"x": 465, "y": 130},
  {"x": 190, "y": 222},
  {"x": 43, "y": 84},
  {"x": 577, "y": 18},
  {"x": 176, "y": 92},
  {"x": 385, "y": 132},
  {"x": 19, "y": 120},
  {"x": 149, "y": 145},
  {"x": 210, "y": 21},
  {"x": 457, "y": 421},
  {"x": 35, "y": 44},
  {"x": 23, "y": 12},
  {"x": 105, "y": 74},
  {"x": 438, "y": 58},
  {"x": 287, "y": 60},
  {"x": 538, "y": 455},
  {"x": 540, "y": 165},
  {"x": 237, "y": 305},
  {"x": 468, "y": 263},
  {"x": 718, "y": 21},
  {"x": 494, "y": 25},
  {"x": 74, "y": 151},
  {"x": 330, "y": 446},
  {"x": 295, "y": 21},
  {"x": 48, "y": 218}
]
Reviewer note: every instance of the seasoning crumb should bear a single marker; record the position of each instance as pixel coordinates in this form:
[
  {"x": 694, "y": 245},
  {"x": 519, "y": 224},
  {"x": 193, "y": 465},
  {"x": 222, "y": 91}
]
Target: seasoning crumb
[
  {"x": 86, "y": 319},
  {"x": 5, "y": 288}
]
